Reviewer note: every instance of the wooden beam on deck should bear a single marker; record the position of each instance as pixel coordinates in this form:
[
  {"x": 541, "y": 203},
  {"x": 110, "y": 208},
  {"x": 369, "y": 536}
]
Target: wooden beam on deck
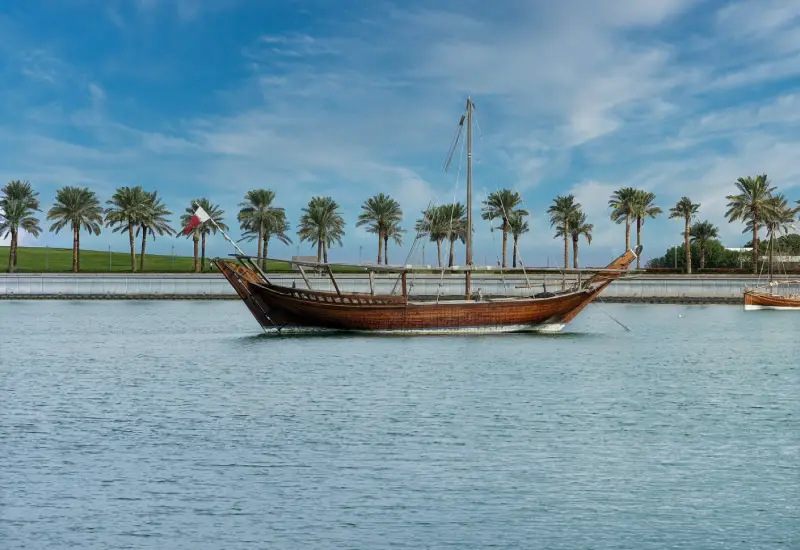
[
  {"x": 333, "y": 280},
  {"x": 303, "y": 273}
]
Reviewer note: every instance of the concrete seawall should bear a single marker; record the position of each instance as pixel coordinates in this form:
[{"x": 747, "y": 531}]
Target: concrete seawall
[{"x": 640, "y": 289}]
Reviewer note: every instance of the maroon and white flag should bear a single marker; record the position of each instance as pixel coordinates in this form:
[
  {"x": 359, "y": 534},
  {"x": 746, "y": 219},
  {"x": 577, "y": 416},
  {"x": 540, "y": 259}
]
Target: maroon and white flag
[{"x": 198, "y": 217}]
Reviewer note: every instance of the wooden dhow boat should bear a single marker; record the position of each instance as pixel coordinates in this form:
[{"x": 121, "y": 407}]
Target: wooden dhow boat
[
  {"x": 281, "y": 308},
  {"x": 774, "y": 295}
]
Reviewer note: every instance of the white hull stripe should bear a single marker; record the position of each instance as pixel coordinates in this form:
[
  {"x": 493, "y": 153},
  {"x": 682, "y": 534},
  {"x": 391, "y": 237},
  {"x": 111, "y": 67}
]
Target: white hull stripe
[
  {"x": 492, "y": 329},
  {"x": 752, "y": 307}
]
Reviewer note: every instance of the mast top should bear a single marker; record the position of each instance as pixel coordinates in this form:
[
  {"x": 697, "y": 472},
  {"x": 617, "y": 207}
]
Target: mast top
[{"x": 469, "y": 199}]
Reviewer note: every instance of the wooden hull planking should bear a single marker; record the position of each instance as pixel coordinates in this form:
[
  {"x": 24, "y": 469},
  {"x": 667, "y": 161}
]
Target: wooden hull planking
[
  {"x": 283, "y": 309},
  {"x": 755, "y": 300}
]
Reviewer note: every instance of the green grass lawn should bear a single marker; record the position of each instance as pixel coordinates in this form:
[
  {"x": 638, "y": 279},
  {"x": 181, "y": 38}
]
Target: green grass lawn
[{"x": 39, "y": 259}]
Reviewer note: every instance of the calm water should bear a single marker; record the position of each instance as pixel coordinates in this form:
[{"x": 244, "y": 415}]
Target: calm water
[{"x": 176, "y": 425}]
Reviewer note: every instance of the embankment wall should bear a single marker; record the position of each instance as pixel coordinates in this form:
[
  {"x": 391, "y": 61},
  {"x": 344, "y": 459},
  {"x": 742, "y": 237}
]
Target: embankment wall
[{"x": 644, "y": 288}]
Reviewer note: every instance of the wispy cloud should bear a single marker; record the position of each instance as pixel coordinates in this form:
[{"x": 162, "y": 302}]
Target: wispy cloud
[
  {"x": 40, "y": 65},
  {"x": 185, "y": 10}
]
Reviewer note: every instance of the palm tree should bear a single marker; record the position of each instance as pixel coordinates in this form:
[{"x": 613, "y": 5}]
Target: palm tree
[
  {"x": 685, "y": 209},
  {"x": 562, "y": 212},
  {"x": 321, "y": 224},
  {"x": 200, "y": 232},
  {"x": 701, "y": 233},
  {"x": 18, "y": 204},
  {"x": 622, "y": 201},
  {"x": 642, "y": 208},
  {"x": 79, "y": 208},
  {"x": 394, "y": 232},
  {"x": 753, "y": 204},
  {"x": 454, "y": 224},
  {"x": 126, "y": 211},
  {"x": 153, "y": 222},
  {"x": 379, "y": 214},
  {"x": 502, "y": 204},
  {"x": 435, "y": 226},
  {"x": 258, "y": 216},
  {"x": 275, "y": 225},
  {"x": 16, "y": 216},
  {"x": 779, "y": 219},
  {"x": 516, "y": 226},
  {"x": 579, "y": 227}
]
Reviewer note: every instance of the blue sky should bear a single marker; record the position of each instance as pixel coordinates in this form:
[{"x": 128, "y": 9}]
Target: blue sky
[{"x": 344, "y": 98}]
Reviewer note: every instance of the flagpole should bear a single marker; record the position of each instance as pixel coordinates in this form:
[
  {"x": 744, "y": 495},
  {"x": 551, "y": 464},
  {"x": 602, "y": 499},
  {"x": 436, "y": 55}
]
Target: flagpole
[
  {"x": 226, "y": 237},
  {"x": 199, "y": 217}
]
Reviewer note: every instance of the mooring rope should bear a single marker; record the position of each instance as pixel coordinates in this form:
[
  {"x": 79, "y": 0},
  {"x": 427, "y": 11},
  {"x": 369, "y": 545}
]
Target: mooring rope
[{"x": 608, "y": 314}]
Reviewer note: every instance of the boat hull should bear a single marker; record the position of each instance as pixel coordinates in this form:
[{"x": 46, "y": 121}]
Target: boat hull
[
  {"x": 761, "y": 300},
  {"x": 282, "y": 309},
  {"x": 285, "y": 312}
]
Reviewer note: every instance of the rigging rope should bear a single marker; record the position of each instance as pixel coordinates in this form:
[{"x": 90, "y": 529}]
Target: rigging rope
[
  {"x": 450, "y": 237},
  {"x": 518, "y": 255},
  {"x": 608, "y": 314},
  {"x": 412, "y": 250},
  {"x": 494, "y": 242}
]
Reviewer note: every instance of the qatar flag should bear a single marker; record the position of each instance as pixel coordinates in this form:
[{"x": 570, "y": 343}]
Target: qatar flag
[{"x": 198, "y": 217}]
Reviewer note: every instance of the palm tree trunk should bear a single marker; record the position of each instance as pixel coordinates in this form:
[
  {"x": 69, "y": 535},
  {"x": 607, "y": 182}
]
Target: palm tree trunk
[
  {"x": 702, "y": 255},
  {"x": 514, "y": 259},
  {"x": 755, "y": 245},
  {"x": 771, "y": 257},
  {"x": 505, "y": 242},
  {"x": 439, "y": 252},
  {"x": 196, "y": 239},
  {"x": 575, "y": 251},
  {"x": 627, "y": 232},
  {"x": 259, "y": 255},
  {"x": 687, "y": 247},
  {"x": 385, "y": 249},
  {"x": 76, "y": 244},
  {"x": 144, "y": 247},
  {"x": 203, "y": 253},
  {"x": 12, "y": 251},
  {"x": 133, "y": 248},
  {"x": 452, "y": 252},
  {"x": 264, "y": 249},
  {"x": 319, "y": 251},
  {"x": 566, "y": 245},
  {"x": 380, "y": 247},
  {"x": 638, "y": 239},
  {"x": 325, "y": 251}
]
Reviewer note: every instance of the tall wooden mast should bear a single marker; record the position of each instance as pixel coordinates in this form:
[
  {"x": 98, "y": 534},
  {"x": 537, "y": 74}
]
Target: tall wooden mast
[{"x": 469, "y": 198}]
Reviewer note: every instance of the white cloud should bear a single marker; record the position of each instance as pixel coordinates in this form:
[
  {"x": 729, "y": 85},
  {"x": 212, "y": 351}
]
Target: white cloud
[
  {"x": 185, "y": 10},
  {"x": 758, "y": 20},
  {"x": 97, "y": 94},
  {"x": 38, "y": 64}
]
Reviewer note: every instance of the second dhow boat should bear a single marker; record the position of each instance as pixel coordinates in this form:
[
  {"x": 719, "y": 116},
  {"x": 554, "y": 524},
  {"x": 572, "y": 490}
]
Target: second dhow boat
[
  {"x": 279, "y": 308},
  {"x": 778, "y": 295}
]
